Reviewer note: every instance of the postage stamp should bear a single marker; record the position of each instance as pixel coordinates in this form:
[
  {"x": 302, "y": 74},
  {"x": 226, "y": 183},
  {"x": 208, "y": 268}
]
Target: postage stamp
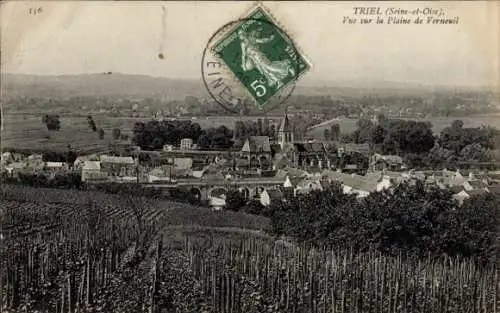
[{"x": 262, "y": 59}]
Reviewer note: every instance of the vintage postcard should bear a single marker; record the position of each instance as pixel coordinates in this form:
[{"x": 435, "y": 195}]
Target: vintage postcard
[{"x": 237, "y": 157}]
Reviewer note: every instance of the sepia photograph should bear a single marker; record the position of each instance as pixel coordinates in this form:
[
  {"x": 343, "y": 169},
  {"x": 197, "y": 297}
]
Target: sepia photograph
[{"x": 250, "y": 157}]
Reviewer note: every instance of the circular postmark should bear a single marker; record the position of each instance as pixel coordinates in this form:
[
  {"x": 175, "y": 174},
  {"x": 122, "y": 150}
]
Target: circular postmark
[{"x": 243, "y": 70}]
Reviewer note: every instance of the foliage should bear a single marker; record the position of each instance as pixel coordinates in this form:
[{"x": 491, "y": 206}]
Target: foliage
[
  {"x": 68, "y": 180},
  {"x": 253, "y": 207},
  {"x": 116, "y": 133},
  {"x": 234, "y": 200},
  {"x": 458, "y": 146},
  {"x": 76, "y": 254},
  {"x": 456, "y": 137},
  {"x": 216, "y": 138},
  {"x": 155, "y": 134},
  {"x": 52, "y": 122},
  {"x": 244, "y": 129},
  {"x": 360, "y": 160},
  {"x": 68, "y": 157},
  {"x": 335, "y": 132},
  {"x": 411, "y": 219},
  {"x": 395, "y": 136},
  {"x": 91, "y": 123},
  {"x": 326, "y": 134},
  {"x": 101, "y": 133}
]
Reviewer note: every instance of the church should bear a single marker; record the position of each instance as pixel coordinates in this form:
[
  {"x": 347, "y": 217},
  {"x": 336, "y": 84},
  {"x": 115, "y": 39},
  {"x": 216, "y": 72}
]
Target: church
[{"x": 303, "y": 154}]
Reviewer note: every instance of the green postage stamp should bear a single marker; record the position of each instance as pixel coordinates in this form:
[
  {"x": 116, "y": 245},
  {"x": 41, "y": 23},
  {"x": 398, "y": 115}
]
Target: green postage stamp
[{"x": 261, "y": 56}]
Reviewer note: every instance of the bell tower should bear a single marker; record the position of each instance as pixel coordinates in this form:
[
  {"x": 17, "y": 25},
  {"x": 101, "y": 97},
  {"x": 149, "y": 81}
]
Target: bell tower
[{"x": 285, "y": 132}]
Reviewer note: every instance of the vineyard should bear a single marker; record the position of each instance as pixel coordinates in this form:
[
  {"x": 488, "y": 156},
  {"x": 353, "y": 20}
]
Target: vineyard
[{"x": 70, "y": 251}]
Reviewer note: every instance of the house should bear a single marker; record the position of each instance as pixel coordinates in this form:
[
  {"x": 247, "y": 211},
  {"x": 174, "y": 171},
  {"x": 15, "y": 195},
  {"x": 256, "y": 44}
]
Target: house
[
  {"x": 54, "y": 167},
  {"x": 353, "y": 162},
  {"x": 80, "y": 160},
  {"x": 291, "y": 172},
  {"x": 387, "y": 162},
  {"x": 461, "y": 196},
  {"x": 179, "y": 172},
  {"x": 7, "y": 157},
  {"x": 456, "y": 179},
  {"x": 475, "y": 185},
  {"x": 183, "y": 163},
  {"x": 363, "y": 148},
  {"x": 115, "y": 166},
  {"x": 310, "y": 155},
  {"x": 332, "y": 176},
  {"x": 166, "y": 173},
  {"x": 308, "y": 185},
  {"x": 198, "y": 173},
  {"x": 91, "y": 170},
  {"x": 396, "y": 177},
  {"x": 186, "y": 143},
  {"x": 464, "y": 195},
  {"x": 445, "y": 179},
  {"x": 15, "y": 168},
  {"x": 35, "y": 158},
  {"x": 257, "y": 148},
  {"x": 157, "y": 174},
  {"x": 167, "y": 148},
  {"x": 289, "y": 186},
  {"x": 270, "y": 196},
  {"x": 363, "y": 186}
]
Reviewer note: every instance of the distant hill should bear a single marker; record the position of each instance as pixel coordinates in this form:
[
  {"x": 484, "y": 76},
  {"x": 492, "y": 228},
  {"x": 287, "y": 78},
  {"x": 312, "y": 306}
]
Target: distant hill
[
  {"x": 142, "y": 86},
  {"x": 100, "y": 85}
]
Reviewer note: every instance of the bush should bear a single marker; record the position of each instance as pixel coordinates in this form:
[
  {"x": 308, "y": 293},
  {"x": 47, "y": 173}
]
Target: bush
[{"x": 235, "y": 200}]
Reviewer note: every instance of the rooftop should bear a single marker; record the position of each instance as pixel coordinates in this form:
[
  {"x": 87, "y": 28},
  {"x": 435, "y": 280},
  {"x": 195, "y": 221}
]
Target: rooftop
[
  {"x": 91, "y": 165},
  {"x": 116, "y": 159},
  {"x": 257, "y": 144},
  {"x": 275, "y": 194},
  {"x": 310, "y": 147}
]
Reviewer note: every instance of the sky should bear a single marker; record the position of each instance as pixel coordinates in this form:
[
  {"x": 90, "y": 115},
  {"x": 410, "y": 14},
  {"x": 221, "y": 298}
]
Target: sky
[{"x": 126, "y": 37}]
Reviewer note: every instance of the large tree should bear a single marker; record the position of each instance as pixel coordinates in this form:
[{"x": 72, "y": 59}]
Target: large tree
[
  {"x": 456, "y": 138},
  {"x": 52, "y": 122}
]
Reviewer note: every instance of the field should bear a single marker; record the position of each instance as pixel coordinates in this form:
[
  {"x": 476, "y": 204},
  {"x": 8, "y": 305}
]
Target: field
[
  {"x": 73, "y": 251},
  {"x": 28, "y": 131}
]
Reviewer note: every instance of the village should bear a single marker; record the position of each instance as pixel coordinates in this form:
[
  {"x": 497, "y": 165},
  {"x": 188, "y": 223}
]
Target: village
[{"x": 262, "y": 169}]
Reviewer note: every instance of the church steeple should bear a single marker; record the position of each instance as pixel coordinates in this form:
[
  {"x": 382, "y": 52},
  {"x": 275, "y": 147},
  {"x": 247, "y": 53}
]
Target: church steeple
[{"x": 285, "y": 132}]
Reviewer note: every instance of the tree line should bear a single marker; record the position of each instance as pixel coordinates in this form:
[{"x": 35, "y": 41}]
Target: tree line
[
  {"x": 153, "y": 135},
  {"x": 416, "y": 142}
]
